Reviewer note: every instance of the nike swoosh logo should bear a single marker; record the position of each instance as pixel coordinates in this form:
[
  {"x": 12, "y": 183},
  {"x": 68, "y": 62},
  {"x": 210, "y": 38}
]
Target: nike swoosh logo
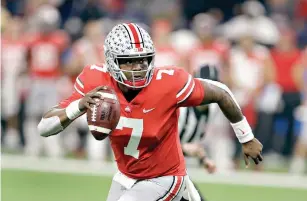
[
  {"x": 242, "y": 131},
  {"x": 146, "y": 111}
]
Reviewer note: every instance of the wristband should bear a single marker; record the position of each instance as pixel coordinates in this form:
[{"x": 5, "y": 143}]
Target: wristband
[
  {"x": 72, "y": 110},
  {"x": 243, "y": 131}
]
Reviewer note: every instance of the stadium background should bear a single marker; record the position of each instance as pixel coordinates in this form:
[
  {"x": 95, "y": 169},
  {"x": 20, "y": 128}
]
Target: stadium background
[{"x": 259, "y": 48}]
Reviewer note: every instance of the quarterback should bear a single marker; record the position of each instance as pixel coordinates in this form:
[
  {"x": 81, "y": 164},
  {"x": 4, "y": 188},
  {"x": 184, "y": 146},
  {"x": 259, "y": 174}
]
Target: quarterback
[{"x": 145, "y": 142}]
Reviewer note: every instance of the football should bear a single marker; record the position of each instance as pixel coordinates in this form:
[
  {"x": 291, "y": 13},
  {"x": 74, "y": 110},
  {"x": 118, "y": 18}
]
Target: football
[{"x": 104, "y": 117}]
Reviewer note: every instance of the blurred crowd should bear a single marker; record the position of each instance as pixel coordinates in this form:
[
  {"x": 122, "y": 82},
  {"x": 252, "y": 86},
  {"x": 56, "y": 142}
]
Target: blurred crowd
[{"x": 259, "y": 48}]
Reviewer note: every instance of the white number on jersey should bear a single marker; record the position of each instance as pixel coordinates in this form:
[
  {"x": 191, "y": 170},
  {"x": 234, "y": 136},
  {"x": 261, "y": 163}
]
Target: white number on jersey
[
  {"x": 159, "y": 74},
  {"x": 102, "y": 69},
  {"x": 45, "y": 56},
  {"x": 136, "y": 134}
]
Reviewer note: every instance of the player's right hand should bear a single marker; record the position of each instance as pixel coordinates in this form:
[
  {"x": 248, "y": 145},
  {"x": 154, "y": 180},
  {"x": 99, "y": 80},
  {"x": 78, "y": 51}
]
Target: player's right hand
[{"x": 88, "y": 99}]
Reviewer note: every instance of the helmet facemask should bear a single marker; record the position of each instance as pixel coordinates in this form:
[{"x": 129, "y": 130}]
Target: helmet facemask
[{"x": 137, "y": 78}]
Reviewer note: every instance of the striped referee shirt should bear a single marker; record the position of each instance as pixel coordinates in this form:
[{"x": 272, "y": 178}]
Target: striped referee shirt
[
  {"x": 192, "y": 121},
  {"x": 192, "y": 124}
]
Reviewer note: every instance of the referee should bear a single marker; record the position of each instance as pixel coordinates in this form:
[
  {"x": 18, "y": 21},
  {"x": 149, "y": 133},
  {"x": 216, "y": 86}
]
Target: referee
[{"x": 192, "y": 121}]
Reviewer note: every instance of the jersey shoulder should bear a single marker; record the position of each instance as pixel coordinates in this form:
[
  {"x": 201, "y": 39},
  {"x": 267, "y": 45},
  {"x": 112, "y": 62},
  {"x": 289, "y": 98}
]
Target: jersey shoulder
[
  {"x": 172, "y": 80},
  {"x": 169, "y": 74},
  {"x": 221, "y": 45},
  {"x": 91, "y": 77},
  {"x": 96, "y": 72}
]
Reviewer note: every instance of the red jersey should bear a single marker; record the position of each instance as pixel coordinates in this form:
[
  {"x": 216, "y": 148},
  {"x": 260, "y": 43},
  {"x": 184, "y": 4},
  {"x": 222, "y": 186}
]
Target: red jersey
[
  {"x": 214, "y": 54},
  {"x": 87, "y": 52},
  {"x": 284, "y": 64},
  {"x": 45, "y": 54},
  {"x": 13, "y": 57},
  {"x": 304, "y": 63},
  {"x": 166, "y": 56},
  {"x": 145, "y": 142},
  {"x": 304, "y": 58},
  {"x": 301, "y": 9}
]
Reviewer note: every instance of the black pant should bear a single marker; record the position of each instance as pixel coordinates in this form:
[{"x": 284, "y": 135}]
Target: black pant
[
  {"x": 285, "y": 124},
  {"x": 264, "y": 130},
  {"x": 21, "y": 119}
]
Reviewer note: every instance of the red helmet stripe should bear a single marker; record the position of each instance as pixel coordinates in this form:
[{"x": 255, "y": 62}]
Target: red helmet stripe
[{"x": 135, "y": 35}]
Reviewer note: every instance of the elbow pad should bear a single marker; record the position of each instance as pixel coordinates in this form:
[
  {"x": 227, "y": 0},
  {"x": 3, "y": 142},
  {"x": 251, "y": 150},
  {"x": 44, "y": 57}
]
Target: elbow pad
[{"x": 49, "y": 126}]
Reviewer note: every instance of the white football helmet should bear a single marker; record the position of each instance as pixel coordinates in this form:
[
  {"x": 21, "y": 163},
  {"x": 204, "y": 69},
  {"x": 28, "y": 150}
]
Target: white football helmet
[{"x": 129, "y": 41}]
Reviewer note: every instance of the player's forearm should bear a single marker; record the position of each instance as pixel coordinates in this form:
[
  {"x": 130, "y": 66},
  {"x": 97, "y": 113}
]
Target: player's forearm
[
  {"x": 61, "y": 114},
  {"x": 232, "y": 112},
  {"x": 216, "y": 92},
  {"x": 57, "y": 119},
  {"x": 53, "y": 122}
]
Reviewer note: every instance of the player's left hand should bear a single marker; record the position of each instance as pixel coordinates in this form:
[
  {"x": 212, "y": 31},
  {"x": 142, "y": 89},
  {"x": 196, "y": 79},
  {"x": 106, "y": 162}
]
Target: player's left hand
[{"x": 252, "y": 149}]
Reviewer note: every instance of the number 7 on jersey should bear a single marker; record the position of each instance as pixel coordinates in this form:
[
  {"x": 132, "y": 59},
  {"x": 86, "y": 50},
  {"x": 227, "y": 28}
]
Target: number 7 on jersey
[{"x": 136, "y": 134}]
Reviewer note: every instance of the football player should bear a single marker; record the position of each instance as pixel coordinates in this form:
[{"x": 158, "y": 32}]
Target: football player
[
  {"x": 13, "y": 65},
  {"x": 298, "y": 164},
  {"x": 145, "y": 142},
  {"x": 46, "y": 48}
]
